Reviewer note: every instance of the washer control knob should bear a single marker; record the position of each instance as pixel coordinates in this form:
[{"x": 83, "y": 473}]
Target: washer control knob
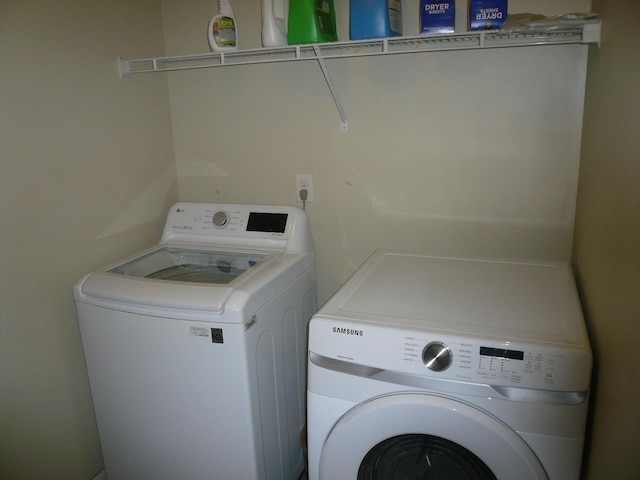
[
  {"x": 437, "y": 356},
  {"x": 220, "y": 219}
]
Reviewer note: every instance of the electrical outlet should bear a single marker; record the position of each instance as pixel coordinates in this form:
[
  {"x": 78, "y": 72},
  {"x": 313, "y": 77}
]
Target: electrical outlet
[{"x": 304, "y": 181}]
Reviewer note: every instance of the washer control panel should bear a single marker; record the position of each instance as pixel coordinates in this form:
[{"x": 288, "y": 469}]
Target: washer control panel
[
  {"x": 280, "y": 228},
  {"x": 236, "y": 220},
  {"x": 220, "y": 219}
]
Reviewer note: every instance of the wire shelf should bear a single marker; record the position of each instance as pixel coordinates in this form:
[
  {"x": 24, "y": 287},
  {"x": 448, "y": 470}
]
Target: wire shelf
[
  {"x": 581, "y": 34},
  {"x": 589, "y": 33}
]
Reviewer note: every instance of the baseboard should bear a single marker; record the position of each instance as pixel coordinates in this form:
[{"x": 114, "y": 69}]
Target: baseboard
[{"x": 100, "y": 476}]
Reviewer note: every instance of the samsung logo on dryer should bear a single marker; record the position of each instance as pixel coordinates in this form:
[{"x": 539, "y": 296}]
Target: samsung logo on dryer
[{"x": 348, "y": 331}]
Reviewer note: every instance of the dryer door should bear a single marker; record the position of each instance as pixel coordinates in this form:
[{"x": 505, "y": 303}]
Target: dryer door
[{"x": 419, "y": 436}]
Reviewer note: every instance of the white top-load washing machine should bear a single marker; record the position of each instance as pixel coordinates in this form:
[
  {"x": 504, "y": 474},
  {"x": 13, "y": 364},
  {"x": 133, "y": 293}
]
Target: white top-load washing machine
[
  {"x": 196, "y": 348},
  {"x": 449, "y": 368}
]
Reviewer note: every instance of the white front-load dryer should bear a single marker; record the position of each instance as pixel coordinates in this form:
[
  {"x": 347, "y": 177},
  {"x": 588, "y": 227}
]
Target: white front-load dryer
[
  {"x": 448, "y": 368},
  {"x": 196, "y": 348}
]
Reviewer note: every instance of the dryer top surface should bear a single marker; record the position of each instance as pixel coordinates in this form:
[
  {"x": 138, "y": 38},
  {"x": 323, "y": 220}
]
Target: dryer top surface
[{"x": 528, "y": 301}]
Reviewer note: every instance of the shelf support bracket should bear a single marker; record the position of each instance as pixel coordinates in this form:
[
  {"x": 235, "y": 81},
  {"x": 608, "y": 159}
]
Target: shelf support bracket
[
  {"x": 123, "y": 67},
  {"x": 343, "y": 117},
  {"x": 592, "y": 33}
]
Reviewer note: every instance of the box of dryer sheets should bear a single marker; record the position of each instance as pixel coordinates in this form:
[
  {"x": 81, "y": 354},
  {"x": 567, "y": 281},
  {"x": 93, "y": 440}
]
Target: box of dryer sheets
[
  {"x": 437, "y": 16},
  {"x": 487, "y": 14}
]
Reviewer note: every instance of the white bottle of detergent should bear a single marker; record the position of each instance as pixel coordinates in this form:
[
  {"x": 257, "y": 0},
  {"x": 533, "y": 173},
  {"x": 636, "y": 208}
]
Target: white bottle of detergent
[
  {"x": 275, "y": 15},
  {"x": 222, "y": 33}
]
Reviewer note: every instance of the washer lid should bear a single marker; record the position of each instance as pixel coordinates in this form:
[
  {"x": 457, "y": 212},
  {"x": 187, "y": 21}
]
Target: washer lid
[
  {"x": 527, "y": 301},
  {"x": 185, "y": 278},
  {"x": 187, "y": 265}
]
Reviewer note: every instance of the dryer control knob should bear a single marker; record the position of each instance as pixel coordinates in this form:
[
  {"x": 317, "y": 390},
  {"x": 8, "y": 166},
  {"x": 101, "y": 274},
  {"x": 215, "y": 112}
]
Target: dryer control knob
[
  {"x": 437, "y": 356},
  {"x": 220, "y": 219}
]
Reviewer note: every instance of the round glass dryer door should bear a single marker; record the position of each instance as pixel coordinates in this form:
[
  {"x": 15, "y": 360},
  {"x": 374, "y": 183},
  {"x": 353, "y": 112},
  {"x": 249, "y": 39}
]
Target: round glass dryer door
[
  {"x": 417, "y": 456},
  {"x": 419, "y": 436}
]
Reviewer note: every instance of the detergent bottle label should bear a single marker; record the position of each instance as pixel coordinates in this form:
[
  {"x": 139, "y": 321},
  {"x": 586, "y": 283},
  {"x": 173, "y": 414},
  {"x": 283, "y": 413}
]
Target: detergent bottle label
[
  {"x": 325, "y": 18},
  {"x": 224, "y": 31}
]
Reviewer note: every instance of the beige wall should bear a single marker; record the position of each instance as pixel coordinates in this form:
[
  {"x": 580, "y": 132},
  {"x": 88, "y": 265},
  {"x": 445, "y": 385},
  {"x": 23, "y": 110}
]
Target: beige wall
[
  {"x": 450, "y": 153},
  {"x": 87, "y": 172},
  {"x": 607, "y": 240}
]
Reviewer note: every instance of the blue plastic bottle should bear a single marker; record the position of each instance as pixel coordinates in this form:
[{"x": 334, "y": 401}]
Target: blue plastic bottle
[{"x": 375, "y": 19}]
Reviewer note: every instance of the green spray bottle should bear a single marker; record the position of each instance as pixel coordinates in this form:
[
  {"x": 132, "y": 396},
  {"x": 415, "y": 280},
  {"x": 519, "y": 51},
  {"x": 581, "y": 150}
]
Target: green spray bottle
[{"x": 311, "y": 21}]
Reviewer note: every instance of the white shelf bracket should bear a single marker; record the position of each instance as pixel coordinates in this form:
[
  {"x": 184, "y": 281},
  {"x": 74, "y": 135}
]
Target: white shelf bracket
[
  {"x": 343, "y": 118},
  {"x": 123, "y": 67},
  {"x": 592, "y": 33}
]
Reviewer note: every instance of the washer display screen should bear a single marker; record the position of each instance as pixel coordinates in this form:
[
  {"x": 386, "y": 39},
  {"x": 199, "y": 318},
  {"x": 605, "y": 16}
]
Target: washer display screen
[{"x": 267, "y": 222}]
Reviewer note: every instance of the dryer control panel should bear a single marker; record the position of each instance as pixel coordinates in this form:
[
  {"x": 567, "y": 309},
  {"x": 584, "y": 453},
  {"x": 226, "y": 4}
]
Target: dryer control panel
[
  {"x": 468, "y": 360},
  {"x": 530, "y": 366}
]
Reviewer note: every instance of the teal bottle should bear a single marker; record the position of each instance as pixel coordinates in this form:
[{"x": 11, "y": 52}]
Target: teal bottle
[{"x": 375, "y": 19}]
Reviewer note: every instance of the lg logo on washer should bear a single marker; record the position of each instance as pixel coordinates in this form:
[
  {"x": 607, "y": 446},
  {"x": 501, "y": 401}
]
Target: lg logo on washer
[{"x": 348, "y": 331}]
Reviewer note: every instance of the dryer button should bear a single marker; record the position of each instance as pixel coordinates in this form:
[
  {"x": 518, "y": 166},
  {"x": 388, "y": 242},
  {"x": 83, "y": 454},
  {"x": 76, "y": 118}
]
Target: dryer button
[{"x": 437, "y": 356}]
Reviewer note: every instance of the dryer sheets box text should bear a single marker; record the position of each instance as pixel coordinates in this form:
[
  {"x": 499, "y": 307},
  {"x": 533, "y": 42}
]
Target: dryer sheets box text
[
  {"x": 437, "y": 16},
  {"x": 487, "y": 14}
]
